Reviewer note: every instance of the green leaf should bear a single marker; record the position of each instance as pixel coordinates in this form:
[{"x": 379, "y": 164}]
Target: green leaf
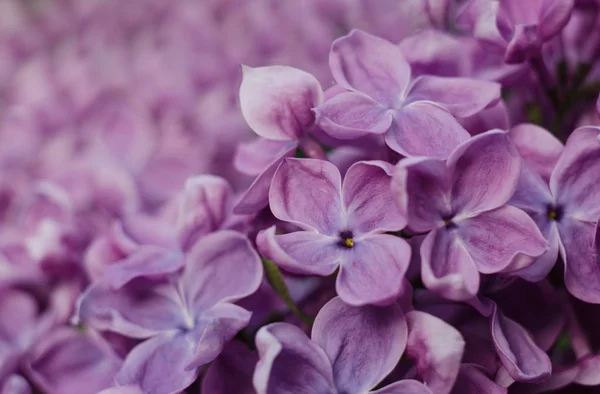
[{"x": 276, "y": 281}]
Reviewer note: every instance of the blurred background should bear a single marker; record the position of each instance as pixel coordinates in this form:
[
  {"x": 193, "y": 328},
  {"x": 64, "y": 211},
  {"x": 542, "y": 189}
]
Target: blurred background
[{"x": 119, "y": 101}]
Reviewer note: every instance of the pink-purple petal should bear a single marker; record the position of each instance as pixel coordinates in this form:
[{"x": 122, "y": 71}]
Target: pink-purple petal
[
  {"x": 502, "y": 238},
  {"x": 231, "y": 372},
  {"x": 423, "y": 128},
  {"x": 472, "y": 380},
  {"x": 486, "y": 172},
  {"x": 290, "y": 363},
  {"x": 372, "y": 271},
  {"x": 575, "y": 181},
  {"x": 520, "y": 355},
  {"x": 307, "y": 192},
  {"x": 537, "y": 146},
  {"x": 301, "y": 252},
  {"x": 221, "y": 267},
  {"x": 447, "y": 267},
  {"x": 363, "y": 344},
  {"x": 158, "y": 364},
  {"x": 422, "y": 189},
  {"x": 70, "y": 362},
  {"x": 437, "y": 349},
  {"x": 351, "y": 115},
  {"x": 579, "y": 251},
  {"x": 372, "y": 65},
  {"x": 276, "y": 101},
  {"x": 367, "y": 196},
  {"x": 462, "y": 97}
]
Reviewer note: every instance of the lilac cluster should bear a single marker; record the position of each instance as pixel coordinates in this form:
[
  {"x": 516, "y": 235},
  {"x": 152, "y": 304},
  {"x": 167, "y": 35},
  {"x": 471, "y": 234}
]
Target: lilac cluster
[{"x": 194, "y": 200}]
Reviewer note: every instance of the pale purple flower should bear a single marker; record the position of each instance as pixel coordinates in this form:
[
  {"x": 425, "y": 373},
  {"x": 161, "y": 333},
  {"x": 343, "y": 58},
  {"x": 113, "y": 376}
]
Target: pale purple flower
[
  {"x": 276, "y": 103},
  {"x": 558, "y": 189},
  {"x": 350, "y": 351},
  {"x": 69, "y": 362},
  {"x": 416, "y": 116},
  {"x": 343, "y": 226},
  {"x": 517, "y": 29},
  {"x": 186, "y": 320},
  {"x": 461, "y": 202}
]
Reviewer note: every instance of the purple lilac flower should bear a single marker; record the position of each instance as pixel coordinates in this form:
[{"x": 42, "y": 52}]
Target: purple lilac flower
[
  {"x": 186, "y": 320},
  {"x": 461, "y": 202},
  {"x": 342, "y": 225},
  {"x": 416, "y": 116},
  {"x": 351, "y": 350},
  {"x": 558, "y": 193}
]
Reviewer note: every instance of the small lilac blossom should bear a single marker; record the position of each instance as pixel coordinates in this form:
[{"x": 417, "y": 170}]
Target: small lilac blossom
[
  {"x": 350, "y": 351},
  {"x": 461, "y": 203},
  {"x": 276, "y": 103},
  {"x": 342, "y": 225},
  {"x": 517, "y": 29},
  {"x": 416, "y": 116},
  {"x": 186, "y": 320},
  {"x": 145, "y": 245},
  {"x": 69, "y": 362},
  {"x": 559, "y": 193}
]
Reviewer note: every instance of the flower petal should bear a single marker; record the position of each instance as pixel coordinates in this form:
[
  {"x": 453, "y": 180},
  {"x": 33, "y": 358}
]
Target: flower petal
[
  {"x": 437, "y": 349},
  {"x": 307, "y": 192},
  {"x": 256, "y": 196},
  {"x": 276, "y": 101},
  {"x": 372, "y": 272},
  {"x": 422, "y": 185},
  {"x": 486, "y": 172},
  {"x": 290, "y": 363},
  {"x": 69, "y": 362},
  {"x": 537, "y": 146},
  {"x": 147, "y": 261},
  {"x": 588, "y": 371},
  {"x": 254, "y": 157},
  {"x": 423, "y": 128},
  {"x": 139, "y": 309},
  {"x": 158, "y": 364},
  {"x": 462, "y": 97},
  {"x": 503, "y": 238},
  {"x": 368, "y": 198},
  {"x": 580, "y": 241},
  {"x": 301, "y": 252},
  {"x": 406, "y": 386},
  {"x": 447, "y": 267},
  {"x": 368, "y": 64},
  {"x": 363, "y": 344},
  {"x": 351, "y": 115},
  {"x": 220, "y": 267},
  {"x": 204, "y": 205},
  {"x": 520, "y": 355},
  {"x": 575, "y": 181}
]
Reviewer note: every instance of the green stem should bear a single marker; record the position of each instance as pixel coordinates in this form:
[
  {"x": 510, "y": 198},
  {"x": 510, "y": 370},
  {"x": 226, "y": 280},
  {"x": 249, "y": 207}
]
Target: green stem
[{"x": 276, "y": 281}]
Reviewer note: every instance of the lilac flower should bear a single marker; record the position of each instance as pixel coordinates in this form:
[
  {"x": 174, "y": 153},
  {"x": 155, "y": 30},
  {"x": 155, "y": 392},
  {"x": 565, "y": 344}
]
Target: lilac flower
[
  {"x": 416, "y": 116},
  {"x": 515, "y": 28},
  {"x": 147, "y": 245},
  {"x": 276, "y": 103},
  {"x": 342, "y": 226},
  {"x": 65, "y": 361},
  {"x": 461, "y": 203},
  {"x": 350, "y": 351},
  {"x": 187, "y": 320},
  {"x": 559, "y": 194}
]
